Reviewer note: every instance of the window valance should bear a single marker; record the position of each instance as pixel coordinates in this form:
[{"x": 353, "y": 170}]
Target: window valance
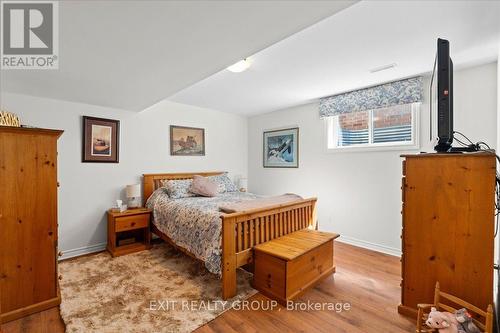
[{"x": 389, "y": 94}]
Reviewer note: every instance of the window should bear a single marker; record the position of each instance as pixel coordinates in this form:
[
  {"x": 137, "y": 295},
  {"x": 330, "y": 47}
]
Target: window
[{"x": 394, "y": 126}]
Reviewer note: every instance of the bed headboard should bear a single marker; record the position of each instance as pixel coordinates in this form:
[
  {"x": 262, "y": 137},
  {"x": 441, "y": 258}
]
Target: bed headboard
[{"x": 152, "y": 181}]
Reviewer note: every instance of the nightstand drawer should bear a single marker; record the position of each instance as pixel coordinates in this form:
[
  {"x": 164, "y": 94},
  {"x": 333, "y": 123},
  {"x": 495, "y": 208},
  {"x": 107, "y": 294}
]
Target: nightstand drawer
[{"x": 131, "y": 222}]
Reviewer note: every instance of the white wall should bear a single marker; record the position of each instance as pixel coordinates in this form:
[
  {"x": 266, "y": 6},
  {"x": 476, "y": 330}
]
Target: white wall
[
  {"x": 89, "y": 189},
  {"x": 359, "y": 194}
]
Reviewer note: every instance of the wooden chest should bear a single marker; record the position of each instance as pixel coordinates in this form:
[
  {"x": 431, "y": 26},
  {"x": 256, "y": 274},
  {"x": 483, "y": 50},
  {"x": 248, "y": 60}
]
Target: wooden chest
[{"x": 287, "y": 266}]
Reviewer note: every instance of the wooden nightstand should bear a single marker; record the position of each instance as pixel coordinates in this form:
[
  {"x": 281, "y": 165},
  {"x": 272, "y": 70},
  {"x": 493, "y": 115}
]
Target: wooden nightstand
[{"x": 130, "y": 228}]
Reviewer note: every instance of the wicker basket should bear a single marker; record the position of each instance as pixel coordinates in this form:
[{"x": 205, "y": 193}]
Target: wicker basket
[{"x": 9, "y": 119}]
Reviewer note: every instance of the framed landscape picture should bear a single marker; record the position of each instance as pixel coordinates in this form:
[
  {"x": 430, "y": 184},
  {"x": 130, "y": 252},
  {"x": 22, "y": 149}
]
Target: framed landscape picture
[
  {"x": 187, "y": 141},
  {"x": 281, "y": 148},
  {"x": 100, "y": 140}
]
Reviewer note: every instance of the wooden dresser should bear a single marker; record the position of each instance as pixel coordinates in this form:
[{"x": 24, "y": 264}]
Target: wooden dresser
[
  {"x": 28, "y": 221},
  {"x": 448, "y": 228}
]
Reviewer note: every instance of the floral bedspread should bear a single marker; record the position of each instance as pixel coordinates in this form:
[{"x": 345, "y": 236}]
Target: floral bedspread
[{"x": 194, "y": 223}]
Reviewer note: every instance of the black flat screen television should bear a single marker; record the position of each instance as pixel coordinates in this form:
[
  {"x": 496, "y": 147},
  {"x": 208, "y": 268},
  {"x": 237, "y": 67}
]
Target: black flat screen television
[{"x": 441, "y": 93}]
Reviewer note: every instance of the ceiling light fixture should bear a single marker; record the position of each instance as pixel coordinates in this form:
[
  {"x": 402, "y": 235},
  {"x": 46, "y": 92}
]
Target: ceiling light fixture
[
  {"x": 240, "y": 66},
  {"x": 382, "y": 68}
]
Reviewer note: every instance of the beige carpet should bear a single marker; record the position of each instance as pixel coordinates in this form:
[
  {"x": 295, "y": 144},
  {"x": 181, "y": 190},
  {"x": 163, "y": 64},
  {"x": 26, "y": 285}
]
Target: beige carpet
[{"x": 159, "y": 290}]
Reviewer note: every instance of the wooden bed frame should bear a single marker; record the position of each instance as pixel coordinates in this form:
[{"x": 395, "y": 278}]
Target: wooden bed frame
[{"x": 243, "y": 230}]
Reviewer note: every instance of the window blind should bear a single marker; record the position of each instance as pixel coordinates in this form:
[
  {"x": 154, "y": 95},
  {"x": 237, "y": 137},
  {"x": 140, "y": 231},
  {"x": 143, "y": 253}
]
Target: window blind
[{"x": 405, "y": 91}]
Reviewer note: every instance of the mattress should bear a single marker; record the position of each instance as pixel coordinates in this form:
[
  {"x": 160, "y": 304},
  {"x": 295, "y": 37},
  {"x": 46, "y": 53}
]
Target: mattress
[{"x": 194, "y": 223}]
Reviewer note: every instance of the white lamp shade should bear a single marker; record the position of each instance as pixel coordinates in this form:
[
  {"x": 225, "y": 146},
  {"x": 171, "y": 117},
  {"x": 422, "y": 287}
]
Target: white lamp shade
[
  {"x": 133, "y": 191},
  {"x": 243, "y": 182}
]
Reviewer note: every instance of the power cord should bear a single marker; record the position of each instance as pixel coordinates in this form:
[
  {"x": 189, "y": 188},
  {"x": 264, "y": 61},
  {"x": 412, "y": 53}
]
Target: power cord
[{"x": 473, "y": 146}]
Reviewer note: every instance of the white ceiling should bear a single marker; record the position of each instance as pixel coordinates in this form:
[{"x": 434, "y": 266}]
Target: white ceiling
[
  {"x": 336, "y": 54},
  {"x": 132, "y": 54}
]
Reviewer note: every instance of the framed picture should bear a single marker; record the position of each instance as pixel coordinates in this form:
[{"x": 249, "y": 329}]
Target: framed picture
[
  {"x": 187, "y": 141},
  {"x": 281, "y": 148},
  {"x": 101, "y": 140}
]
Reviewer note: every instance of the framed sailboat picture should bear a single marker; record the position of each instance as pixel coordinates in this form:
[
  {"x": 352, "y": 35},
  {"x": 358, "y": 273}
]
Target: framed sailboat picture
[
  {"x": 100, "y": 140},
  {"x": 281, "y": 148}
]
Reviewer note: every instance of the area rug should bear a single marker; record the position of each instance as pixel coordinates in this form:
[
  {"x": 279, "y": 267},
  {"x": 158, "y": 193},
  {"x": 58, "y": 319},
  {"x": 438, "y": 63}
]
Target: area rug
[{"x": 157, "y": 290}]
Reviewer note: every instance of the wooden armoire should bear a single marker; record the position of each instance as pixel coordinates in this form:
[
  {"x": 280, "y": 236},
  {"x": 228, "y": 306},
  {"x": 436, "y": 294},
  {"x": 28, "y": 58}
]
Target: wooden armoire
[
  {"x": 28, "y": 221},
  {"x": 448, "y": 228}
]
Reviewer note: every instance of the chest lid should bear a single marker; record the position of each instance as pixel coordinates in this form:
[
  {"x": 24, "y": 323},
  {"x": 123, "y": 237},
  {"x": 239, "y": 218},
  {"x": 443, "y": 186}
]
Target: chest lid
[{"x": 293, "y": 245}]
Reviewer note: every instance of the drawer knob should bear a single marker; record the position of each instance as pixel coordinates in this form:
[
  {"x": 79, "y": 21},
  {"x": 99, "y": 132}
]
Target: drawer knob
[
  {"x": 60, "y": 277},
  {"x": 132, "y": 224},
  {"x": 60, "y": 254}
]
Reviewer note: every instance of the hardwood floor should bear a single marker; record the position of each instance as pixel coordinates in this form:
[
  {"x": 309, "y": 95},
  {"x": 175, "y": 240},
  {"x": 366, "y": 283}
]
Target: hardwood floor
[{"x": 367, "y": 280}]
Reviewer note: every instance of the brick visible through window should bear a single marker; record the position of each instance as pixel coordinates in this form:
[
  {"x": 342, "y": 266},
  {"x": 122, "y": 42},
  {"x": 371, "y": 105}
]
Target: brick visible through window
[{"x": 386, "y": 126}]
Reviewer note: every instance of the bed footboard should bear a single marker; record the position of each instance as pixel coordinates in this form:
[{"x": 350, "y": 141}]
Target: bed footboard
[{"x": 243, "y": 230}]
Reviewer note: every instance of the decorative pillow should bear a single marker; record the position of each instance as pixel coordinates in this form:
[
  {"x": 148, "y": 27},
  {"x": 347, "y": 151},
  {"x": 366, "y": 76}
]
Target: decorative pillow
[
  {"x": 177, "y": 189},
  {"x": 204, "y": 186},
  {"x": 225, "y": 184}
]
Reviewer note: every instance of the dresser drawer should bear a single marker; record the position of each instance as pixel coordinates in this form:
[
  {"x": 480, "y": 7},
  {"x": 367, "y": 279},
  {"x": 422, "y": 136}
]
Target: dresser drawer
[{"x": 131, "y": 222}]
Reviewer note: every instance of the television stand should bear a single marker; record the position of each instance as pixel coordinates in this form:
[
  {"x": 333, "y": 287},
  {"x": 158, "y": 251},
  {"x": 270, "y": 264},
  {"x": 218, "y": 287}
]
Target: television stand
[
  {"x": 468, "y": 149},
  {"x": 442, "y": 147},
  {"x": 451, "y": 195},
  {"x": 447, "y": 148}
]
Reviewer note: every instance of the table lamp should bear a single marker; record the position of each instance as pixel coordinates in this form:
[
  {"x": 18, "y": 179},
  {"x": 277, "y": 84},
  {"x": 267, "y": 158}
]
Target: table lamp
[
  {"x": 134, "y": 195},
  {"x": 243, "y": 184}
]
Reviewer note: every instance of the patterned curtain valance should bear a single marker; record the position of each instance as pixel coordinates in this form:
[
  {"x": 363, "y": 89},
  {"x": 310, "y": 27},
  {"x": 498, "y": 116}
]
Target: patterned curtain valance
[{"x": 393, "y": 93}]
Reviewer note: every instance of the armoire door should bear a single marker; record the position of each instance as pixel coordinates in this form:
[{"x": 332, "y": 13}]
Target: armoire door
[{"x": 28, "y": 218}]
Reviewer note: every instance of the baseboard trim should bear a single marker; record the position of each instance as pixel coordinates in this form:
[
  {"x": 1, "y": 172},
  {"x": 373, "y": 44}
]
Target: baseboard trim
[
  {"x": 370, "y": 246},
  {"x": 343, "y": 239},
  {"x": 82, "y": 251},
  {"x": 30, "y": 309}
]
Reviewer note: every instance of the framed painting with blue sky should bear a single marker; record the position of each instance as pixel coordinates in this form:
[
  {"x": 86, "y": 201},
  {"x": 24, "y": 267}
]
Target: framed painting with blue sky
[{"x": 281, "y": 148}]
